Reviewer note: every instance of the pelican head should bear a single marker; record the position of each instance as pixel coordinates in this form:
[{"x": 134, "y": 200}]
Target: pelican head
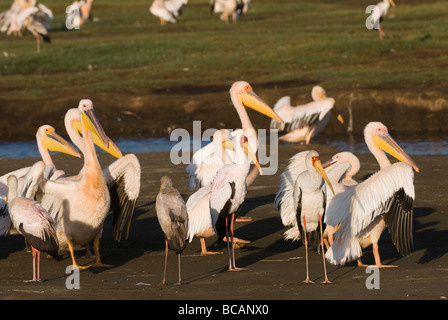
[
  {"x": 52, "y": 141},
  {"x": 340, "y": 157},
  {"x": 318, "y": 93},
  {"x": 243, "y": 91},
  {"x": 382, "y": 140},
  {"x": 100, "y": 139},
  {"x": 317, "y": 165}
]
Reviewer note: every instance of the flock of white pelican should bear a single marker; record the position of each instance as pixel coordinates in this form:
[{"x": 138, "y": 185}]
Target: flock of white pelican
[{"x": 320, "y": 203}]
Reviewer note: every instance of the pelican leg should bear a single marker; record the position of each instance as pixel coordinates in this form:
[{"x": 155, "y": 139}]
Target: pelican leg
[
  {"x": 166, "y": 259},
  {"x": 96, "y": 249},
  {"x": 232, "y": 222},
  {"x": 307, "y": 280},
  {"x": 72, "y": 254},
  {"x": 323, "y": 251},
  {"x": 204, "y": 250},
  {"x": 376, "y": 254}
]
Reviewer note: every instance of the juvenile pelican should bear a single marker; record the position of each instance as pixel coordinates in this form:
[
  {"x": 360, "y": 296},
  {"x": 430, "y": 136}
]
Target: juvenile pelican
[
  {"x": 173, "y": 219},
  {"x": 32, "y": 221},
  {"x": 303, "y": 122},
  {"x": 379, "y": 13},
  {"x": 80, "y": 204},
  {"x": 385, "y": 199},
  {"x": 302, "y": 202},
  {"x": 228, "y": 193},
  {"x": 241, "y": 94}
]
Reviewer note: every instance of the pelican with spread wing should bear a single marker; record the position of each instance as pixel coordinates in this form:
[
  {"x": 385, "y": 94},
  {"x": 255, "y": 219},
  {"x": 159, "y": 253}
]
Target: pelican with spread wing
[
  {"x": 384, "y": 200},
  {"x": 303, "y": 122}
]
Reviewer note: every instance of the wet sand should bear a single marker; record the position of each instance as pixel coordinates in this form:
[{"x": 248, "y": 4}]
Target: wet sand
[{"x": 276, "y": 267}]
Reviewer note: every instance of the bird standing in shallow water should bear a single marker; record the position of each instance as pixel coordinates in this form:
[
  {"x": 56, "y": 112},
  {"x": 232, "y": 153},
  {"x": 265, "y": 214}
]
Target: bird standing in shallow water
[
  {"x": 32, "y": 221},
  {"x": 173, "y": 219}
]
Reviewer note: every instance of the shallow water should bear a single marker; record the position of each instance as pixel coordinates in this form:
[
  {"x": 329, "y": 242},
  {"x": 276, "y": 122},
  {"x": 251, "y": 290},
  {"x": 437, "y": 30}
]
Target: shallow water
[{"x": 426, "y": 144}]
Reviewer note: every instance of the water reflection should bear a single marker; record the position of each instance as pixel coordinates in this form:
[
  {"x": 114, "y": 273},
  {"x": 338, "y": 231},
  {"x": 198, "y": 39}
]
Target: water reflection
[{"x": 426, "y": 144}]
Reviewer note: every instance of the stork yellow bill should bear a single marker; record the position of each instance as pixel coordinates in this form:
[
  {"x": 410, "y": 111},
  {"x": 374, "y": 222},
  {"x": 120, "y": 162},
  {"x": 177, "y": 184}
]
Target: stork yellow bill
[
  {"x": 228, "y": 144},
  {"x": 54, "y": 142},
  {"x": 250, "y": 99},
  {"x": 386, "y": 143},
  {"x": 317, "y": 164},
  {"x": 112, "y": 149}
]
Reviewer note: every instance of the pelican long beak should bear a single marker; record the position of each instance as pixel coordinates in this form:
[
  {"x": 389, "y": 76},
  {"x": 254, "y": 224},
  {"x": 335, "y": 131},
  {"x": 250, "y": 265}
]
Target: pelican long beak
[
  {"x": 252, "y": 100},
  {"x": 386, "y": 143},
  {"x": 112, "y": 149},
  {"x": 252, "y": 156},
  {"x": 392, "y": 3},
  {"x": 318, "y": 166},
  {"x": 54, "y": 142},
  {"x": 90, "y": 122},
  {"x": 337, "y": 115}
]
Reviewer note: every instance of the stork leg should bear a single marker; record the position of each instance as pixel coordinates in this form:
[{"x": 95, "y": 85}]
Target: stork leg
[
  {"x": 232, "y": 265},
  {"x": 323, "y": 251},
  {"x": 382, "y": 34},
  {"x": 178, "y": 266},
  {"x": 376, "y": 254},
  {"x": 36, "y": 256},
  {"x": 166, "y": 258},
  {"x": 307, "y": 280},
  {"x": 96, "y": 249}
]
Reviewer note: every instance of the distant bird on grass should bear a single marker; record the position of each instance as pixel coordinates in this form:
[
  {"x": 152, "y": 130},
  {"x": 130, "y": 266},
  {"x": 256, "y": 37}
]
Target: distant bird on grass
[
  {"x": 32, "y": 221},
  {"x": 84, "y": 8},
  {"x": 173, "y": 219},
  {"x": 379, "y": 14},
  {"x": 25, "y": 14},
  {"x": 229, "y": 8},
  {"x": 168, "y": 10},
  {"x": 303, "y": 122}
]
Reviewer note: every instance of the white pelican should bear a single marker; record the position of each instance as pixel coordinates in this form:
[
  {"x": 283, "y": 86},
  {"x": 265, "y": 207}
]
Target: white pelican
[
  {"x": 303, "y": 122},
  {"x": 228, "y": 193},
  {"x": 47, "y": 140},
  {"x": 241, "y": 94},
  {"x": 302, "y": 202},
  {"x": 32, "y": 221},
  {"x": 80, "y": 204},
  {"x": 167, "y": 10},
  {"x": 229, "y": 8},
  {"x": 34, "y": 19},
  {"x": 84, "y": 8},
  {"x": 379, "y": 13},
  {"x": 122, "y": 176},
  {"x": 340, "y": 171},
  {"x": 173, "y": 219},
  {"x": 384, "y": 199}
]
